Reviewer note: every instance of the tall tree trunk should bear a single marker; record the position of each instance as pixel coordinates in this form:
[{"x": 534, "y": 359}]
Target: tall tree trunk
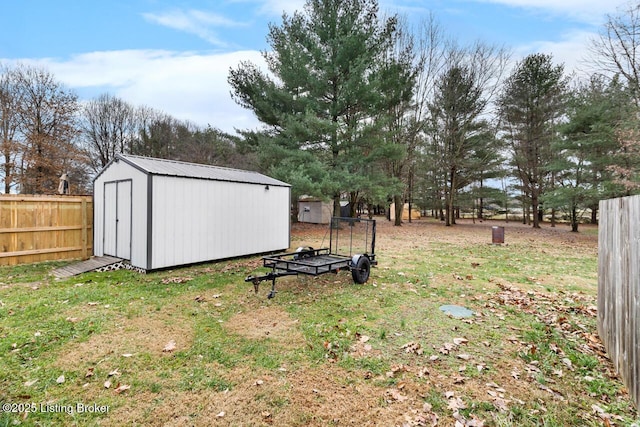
[
  {"x": 451, "y": 199},
  {"x": 574, "y": 220},
  {"x": 336, "y": 205},
  {"x": 594, "y": 214},
  {"x": 295, "y": 207},
  {"x": 480, "y": 206},
  {"x": 534, "y": 208},
  {"x": 398, "y": 205}
]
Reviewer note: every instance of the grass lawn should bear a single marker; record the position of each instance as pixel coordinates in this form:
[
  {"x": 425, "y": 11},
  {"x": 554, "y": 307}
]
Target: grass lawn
[{"x": 196, "y": 346}]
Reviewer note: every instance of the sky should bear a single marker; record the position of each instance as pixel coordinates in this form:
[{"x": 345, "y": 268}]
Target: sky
[{"x": 175, "y": 55}]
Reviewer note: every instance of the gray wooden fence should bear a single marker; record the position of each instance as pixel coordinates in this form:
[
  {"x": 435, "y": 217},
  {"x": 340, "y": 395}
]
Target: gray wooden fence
[{"x": 619, "y": 287}]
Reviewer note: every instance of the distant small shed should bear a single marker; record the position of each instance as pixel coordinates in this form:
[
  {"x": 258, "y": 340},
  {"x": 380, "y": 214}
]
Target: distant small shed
[
  {"x": 415, "y": 213},
  {"x": 315, "y": 211},
  {"x": 161, "y": 213}
]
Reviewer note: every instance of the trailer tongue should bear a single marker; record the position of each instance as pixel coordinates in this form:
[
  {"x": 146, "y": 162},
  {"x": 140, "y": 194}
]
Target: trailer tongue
[{"x": 351, "y": 247}]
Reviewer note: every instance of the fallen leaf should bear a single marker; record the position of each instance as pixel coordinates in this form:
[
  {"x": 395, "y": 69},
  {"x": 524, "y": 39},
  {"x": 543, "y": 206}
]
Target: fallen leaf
[
  {"x": 456, "y": 403},
  {"x": 107, "y": 384},
  {"x": 459, "y": 379},
  {"x": 30, "y": 383},
  {"x": 501, "y": 404},
  {"x": 395, "y": 394},
  {"x": 423, "y": 373},
  {"x": 220, "y": 414},
  {"x": 121, "y": 388},
  {"x": 460, "y": 341},
  {"x": 114, "y": 373},
  {"x": 169, "y": 347},
  {"x": 413, "y": 347},
  {"x": 60, "y": 379},
  {"x": 89, "y": 373}
]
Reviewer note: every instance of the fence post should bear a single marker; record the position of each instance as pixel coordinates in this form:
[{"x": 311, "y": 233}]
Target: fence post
[{"x": 84, "y": 229}]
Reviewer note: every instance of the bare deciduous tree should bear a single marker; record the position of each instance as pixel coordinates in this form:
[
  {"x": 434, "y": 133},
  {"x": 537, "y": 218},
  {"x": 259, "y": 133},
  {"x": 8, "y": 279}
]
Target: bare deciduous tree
[
  {"x": 616, "y": 50},
  {"x": 109, "y": 127},
  {"x": 9, "y": 123}
]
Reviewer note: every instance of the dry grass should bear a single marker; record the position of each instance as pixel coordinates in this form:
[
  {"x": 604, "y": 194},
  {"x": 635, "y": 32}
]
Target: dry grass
[{"x": 338, "y": 355}]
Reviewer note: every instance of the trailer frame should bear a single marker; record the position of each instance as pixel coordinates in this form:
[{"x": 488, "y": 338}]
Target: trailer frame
[{"x": 358, "y": 258}]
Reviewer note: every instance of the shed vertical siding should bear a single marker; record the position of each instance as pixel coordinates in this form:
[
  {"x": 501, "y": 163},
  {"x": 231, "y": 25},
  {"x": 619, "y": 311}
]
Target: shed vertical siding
[
  {"x": 198, "y": 220},
  {"x": 315, "y": 211},
  {"x": 118, "y": 172}
]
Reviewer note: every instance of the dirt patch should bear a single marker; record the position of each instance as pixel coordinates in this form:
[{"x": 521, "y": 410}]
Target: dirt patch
[
  {"x": 129, "y": 337},
  {"x": 267, "y": 322}
]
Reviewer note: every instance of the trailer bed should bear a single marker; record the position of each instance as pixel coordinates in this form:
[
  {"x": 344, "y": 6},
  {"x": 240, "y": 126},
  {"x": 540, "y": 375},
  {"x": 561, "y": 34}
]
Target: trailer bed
[
  {"x": 314, "y": 262},
  {"x": 351, "y": 247}
]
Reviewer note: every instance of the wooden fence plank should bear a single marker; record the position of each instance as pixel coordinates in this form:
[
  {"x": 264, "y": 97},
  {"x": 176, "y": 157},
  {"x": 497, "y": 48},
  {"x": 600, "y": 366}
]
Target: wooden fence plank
[
  {"x": 619, "y": 288},
  {"x": 40, "y": 228}
]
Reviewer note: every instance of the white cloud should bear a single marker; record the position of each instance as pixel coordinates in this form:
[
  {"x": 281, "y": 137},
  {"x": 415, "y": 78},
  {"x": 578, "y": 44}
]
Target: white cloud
[
  {"x": 589, "y": 11},
  {"x": 570, "y": 50},
  {"x": 188, "y": 86},
  {"x": 195, "y": 22},
  {"x": 274, "y": 8}
]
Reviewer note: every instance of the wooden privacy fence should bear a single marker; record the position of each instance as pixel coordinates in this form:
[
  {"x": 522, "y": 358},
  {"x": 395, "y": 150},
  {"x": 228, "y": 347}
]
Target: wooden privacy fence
[
  {"x": 42, "y": 228},
  {"x": 619, "y": 287}
]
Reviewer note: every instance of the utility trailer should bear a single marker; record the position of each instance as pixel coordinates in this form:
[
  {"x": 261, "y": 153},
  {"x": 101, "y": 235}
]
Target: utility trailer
[{"x": 352, "y": 244}]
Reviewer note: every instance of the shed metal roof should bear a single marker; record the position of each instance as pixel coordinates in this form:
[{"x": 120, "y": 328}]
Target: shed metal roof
[{"x": 194, "y": 170}]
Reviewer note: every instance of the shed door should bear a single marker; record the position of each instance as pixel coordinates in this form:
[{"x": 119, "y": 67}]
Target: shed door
[{"x": 117, "y": 219}]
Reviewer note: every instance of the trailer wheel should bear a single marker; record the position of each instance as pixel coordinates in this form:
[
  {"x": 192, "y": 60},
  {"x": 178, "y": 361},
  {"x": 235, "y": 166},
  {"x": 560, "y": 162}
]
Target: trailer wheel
[{"x": 360, "y": 268}]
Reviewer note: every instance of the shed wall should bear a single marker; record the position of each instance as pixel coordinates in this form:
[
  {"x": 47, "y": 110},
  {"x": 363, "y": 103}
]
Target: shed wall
[
  {"x": 119, "y": 172},
  {"x": 196, "y": 220},
  {"x": 315, "y": 211}
]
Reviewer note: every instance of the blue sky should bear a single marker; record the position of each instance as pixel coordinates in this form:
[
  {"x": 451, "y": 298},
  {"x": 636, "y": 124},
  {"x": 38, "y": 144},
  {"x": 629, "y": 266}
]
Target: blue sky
[{"x": 175, "y": 55}]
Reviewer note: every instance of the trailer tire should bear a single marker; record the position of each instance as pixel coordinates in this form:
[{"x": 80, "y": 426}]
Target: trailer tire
[{"x": 360, "y": 268}]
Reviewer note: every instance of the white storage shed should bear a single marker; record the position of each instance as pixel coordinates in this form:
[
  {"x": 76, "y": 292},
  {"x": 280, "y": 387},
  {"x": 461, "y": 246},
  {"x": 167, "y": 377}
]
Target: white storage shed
[
  {"x": 161, "y": 213},
  {"x": 315, "y": 211}
]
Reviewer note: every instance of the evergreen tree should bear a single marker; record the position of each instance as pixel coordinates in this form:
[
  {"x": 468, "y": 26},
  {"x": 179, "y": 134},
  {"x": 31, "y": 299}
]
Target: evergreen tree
[
  {"x": 324, "y": 94},
  {"x": 530, "y": 105}
]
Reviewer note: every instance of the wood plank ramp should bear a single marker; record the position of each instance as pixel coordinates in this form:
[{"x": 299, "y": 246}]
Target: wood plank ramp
[{"x": 91, "y": 264}]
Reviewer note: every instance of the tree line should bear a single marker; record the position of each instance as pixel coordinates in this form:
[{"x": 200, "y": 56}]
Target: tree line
[
  {"x": 359, "y": 105},
  {"x": 365, "y": 106},
  {"x": 45, "y": 131}
]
